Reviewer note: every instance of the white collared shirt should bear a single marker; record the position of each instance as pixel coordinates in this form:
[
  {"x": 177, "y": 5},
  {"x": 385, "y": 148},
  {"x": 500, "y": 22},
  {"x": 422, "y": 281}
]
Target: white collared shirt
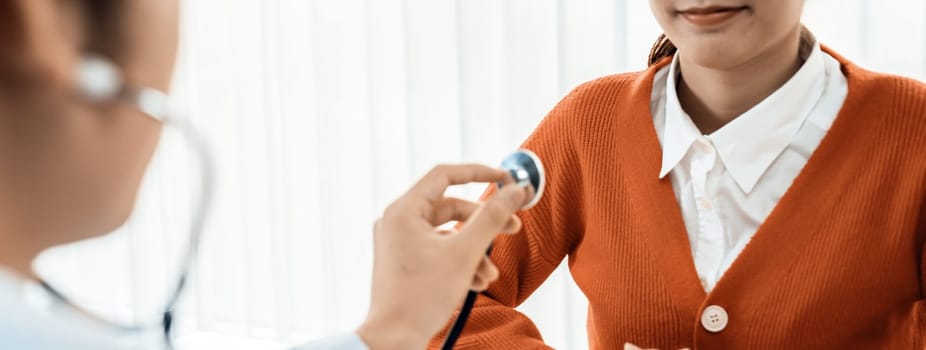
[
  {"x": 728, "y": 182},
  {"x": 30, "y": 320}
]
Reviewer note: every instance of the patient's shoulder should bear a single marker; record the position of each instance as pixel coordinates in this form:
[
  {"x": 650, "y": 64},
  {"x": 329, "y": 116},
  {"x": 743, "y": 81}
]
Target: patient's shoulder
[
  {"x": 604, "y": 90},
  {"x": 595, "y": 105},
  {"x": 590, "y": 112}
]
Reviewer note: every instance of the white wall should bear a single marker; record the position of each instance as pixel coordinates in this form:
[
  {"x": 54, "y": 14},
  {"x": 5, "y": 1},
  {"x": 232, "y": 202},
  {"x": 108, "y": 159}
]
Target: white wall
[{"x": 323, "y": 111}]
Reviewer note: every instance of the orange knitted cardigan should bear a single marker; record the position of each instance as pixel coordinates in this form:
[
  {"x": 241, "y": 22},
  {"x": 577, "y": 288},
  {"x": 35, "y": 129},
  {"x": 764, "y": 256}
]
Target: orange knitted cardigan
[{"x": 838, "y": 264}]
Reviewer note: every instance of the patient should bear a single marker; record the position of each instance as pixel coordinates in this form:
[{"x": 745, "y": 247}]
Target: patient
[{"x": 751, "y": 189}]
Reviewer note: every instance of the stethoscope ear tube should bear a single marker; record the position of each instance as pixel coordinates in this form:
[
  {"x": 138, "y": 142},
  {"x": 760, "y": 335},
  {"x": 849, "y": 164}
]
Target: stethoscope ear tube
[
  {"x": 100, "y": 80},
  {"x": 201, "y": 213}
]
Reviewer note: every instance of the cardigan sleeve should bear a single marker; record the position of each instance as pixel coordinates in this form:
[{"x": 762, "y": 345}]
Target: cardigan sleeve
[
  {"x": 551, "y": 229},
  {"x": 921, "y": 235},
  {"x": 921, "y": 326}
]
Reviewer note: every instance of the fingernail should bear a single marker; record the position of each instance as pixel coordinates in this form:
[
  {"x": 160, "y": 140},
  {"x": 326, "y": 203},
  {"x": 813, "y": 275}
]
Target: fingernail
[
  {"x": 529, "y": 191},
  {"x": 511, "y": 196},
  {"x": 513, "y": 226}
]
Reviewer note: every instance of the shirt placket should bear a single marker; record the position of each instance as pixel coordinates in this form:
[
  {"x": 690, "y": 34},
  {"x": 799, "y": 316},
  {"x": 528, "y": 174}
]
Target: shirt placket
[{"x": 710, "y": 239}]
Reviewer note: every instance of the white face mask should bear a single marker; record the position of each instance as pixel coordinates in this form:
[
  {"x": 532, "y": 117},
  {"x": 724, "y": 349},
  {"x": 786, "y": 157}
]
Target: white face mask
[{"x": 101, "y": 81}]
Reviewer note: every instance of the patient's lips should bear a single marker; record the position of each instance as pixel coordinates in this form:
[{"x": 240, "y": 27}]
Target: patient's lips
[{"x": 712, "y": 15}]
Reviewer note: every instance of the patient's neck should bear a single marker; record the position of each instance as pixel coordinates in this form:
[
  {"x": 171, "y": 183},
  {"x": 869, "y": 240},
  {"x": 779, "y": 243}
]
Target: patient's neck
[{"x": 714, "y": 97}]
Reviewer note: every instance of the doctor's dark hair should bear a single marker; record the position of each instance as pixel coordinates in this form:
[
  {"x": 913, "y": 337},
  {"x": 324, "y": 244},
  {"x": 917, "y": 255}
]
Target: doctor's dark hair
[
  {"x": 103, "y": 26},
  {"x": 101, "y": 21},
  {"x": 100, "y": 25},
  {"x": 663, "y": 47}
]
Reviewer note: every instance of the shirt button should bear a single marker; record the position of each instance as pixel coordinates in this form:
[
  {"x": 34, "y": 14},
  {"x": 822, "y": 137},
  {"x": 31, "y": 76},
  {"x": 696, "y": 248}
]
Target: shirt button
[
  {"x": 705, "y": 203},
  {"x": 705, "y": 147},
  {"x": 714, "y": 319}
]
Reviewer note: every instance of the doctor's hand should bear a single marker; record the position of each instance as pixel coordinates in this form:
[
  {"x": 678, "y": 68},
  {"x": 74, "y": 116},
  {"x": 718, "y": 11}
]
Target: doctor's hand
[{"x": 420, "y": 273}]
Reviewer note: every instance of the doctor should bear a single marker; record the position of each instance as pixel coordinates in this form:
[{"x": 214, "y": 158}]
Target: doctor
[{"x": 70, "y": 168}]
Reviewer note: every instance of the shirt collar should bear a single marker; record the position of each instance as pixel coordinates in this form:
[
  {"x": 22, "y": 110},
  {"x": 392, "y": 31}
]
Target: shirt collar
[
  {"x": 680, "y": 132},
  {"x": 15, "y": 287},
  {"x": 749, "y": 144}
]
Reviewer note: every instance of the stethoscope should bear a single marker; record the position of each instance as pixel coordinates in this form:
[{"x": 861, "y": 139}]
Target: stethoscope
[
  {"x": 527, "y": 170},
  {"x": 101, "y": 81}
]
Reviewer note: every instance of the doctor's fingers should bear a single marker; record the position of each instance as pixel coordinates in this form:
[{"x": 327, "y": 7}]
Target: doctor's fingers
[
  {"x": 490, "y": 218},
  {"x": 456, "y": 209},
  {"x": 432, "y": 186},
  {"x": 485, "y": 275}
]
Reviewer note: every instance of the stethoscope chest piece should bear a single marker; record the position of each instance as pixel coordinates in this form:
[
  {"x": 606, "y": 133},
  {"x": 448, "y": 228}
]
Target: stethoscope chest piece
[{"x": 527, "y": 170}]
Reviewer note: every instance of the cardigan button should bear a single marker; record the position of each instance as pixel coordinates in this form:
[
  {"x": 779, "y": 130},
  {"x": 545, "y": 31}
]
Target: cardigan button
[{"x": 714, "y": 319}]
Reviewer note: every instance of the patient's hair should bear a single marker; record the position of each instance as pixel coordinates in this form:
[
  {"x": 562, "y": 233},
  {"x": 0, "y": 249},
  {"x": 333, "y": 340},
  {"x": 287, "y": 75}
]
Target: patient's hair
[{"x": 662, "y": 48}]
